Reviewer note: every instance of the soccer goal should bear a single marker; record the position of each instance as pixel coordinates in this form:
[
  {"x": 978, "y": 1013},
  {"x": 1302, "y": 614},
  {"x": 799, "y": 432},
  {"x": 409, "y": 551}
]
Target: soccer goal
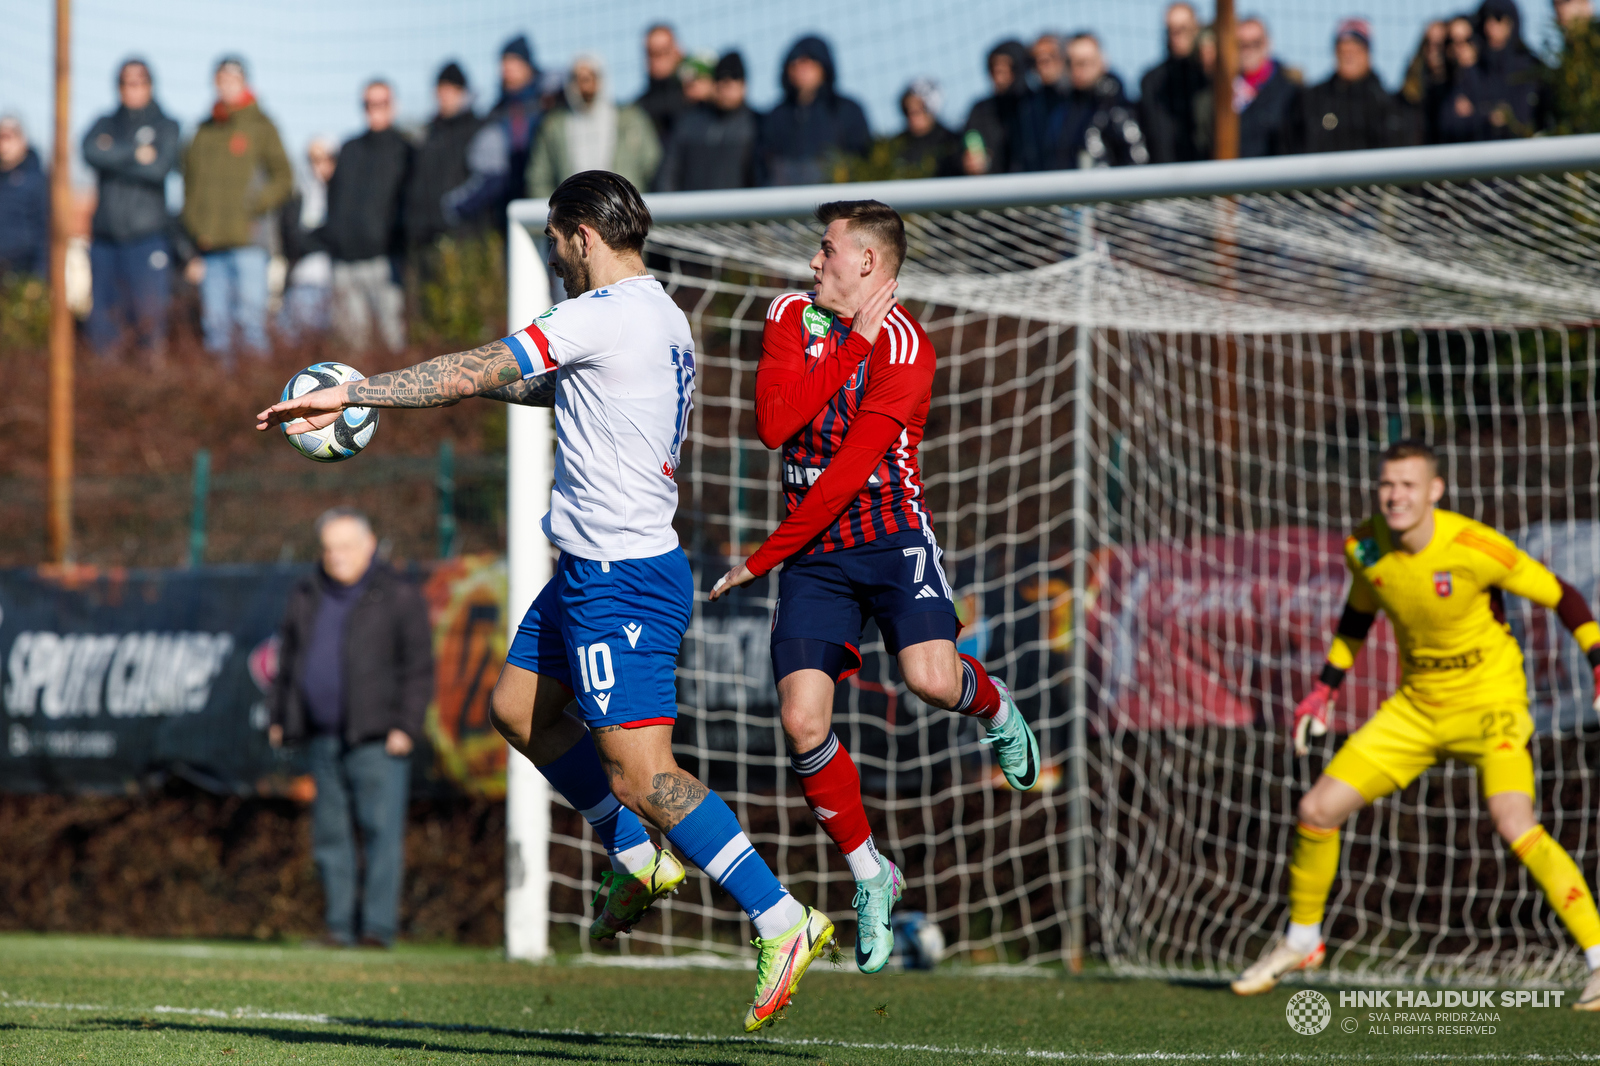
[{"x": 1160, "y": 395}]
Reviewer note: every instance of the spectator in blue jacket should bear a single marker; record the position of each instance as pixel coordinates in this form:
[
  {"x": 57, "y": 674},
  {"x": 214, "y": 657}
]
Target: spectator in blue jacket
[
  {"x": 814, "y": 124},
  {"x": 132, "y": 149},
  {"x": 24, "y": 204}
]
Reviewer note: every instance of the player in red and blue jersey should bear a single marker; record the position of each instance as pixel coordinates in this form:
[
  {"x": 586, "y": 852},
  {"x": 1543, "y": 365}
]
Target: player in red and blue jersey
[{"x": 844, "y": 384}]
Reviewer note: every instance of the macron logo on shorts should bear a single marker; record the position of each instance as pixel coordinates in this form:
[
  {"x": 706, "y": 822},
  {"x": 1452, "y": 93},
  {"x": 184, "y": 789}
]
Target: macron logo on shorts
[{"x": 633, "y": 630}]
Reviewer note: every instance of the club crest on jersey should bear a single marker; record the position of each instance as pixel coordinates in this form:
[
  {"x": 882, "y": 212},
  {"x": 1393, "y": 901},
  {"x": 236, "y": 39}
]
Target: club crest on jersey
[
  {"x": 816, "y": 320},
  {"x": 1441, "y": 582}
]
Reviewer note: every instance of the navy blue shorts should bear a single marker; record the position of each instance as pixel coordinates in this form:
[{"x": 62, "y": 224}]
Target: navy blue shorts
[
  {"x": 825, "y": 599},
  {"x": 610, "y": 632}
]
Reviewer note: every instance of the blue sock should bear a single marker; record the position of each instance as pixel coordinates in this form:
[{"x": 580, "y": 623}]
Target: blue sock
[
  {"x": 582, "y": 782},
  {"x": 710, "y": 837}
]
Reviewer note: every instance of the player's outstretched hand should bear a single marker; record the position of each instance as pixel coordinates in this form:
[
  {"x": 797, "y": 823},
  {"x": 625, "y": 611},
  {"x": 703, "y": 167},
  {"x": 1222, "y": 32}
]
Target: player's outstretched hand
[
  {"x": 319, "y": 408},
  {"x": 1311, "y": 717},
  {"x": 869, "y": 317},
  {"x": 738, "y": 577}
]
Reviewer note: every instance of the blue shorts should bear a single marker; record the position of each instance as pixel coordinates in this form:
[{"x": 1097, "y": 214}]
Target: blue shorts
[
  {"x": 610, "y": 632},
  {"x": 825, "y": 599}
]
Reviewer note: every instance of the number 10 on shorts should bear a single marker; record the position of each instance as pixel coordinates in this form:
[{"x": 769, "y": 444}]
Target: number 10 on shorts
[{"x": 594, "y": 664}]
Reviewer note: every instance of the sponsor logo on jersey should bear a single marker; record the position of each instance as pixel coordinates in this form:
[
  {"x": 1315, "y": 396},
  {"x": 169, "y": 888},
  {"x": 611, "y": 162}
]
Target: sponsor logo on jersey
[
  {"x": 1441, "y": 582},
  {"x": 1368, "y": 552},
  {"x": 801, "y": 476},
  {"x": 546, "y": 315},
  {"x": 1425, "y": 663},
  {"x": 633, "y": 630},
  {"x": 816, "y": 321}
]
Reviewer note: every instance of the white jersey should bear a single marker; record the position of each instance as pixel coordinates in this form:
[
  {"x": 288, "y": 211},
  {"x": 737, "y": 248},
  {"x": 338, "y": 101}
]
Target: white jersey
[{"x": 624, "y": 364}]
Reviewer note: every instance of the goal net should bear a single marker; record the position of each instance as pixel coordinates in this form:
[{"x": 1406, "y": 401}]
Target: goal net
[{"x": 1164, "y": 412}]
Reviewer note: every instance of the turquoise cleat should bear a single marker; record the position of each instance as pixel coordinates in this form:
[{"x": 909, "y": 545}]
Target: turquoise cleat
[
  {"x": 1015, "y": 745},
  {"x": 874, "y": 900}
]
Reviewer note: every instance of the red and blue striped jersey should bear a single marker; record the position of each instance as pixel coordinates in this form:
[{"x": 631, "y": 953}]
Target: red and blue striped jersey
[{"x": 895, "y": 379}]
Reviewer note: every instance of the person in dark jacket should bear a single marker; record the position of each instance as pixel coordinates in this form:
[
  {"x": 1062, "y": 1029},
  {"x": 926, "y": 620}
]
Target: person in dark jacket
[
  {"x": 714, "y": 144},
  {"x": 663, "y": 98},
  {"x": 926, "y": 148},
  {"x": 132, "y": 150},
  {"x": 24, "y": 204},
  {"x": 813, "y": 125},
  {"x": 1427, "y": 81},
  {"x": 440, "y": 164},
  {"x": 1092, "y": 123},
  {"x": 1467, "y": 110},
  {"x": 1350, "y": 110},
  {"x": 354, "y": 681},
  {"x": 1516, "y": 81},
  {"x": 1265, "y": 94},
  {"x": 1167, "y": 91},
  {"x": 363, "y": 233},
  {"x": 992, "y": 122}
]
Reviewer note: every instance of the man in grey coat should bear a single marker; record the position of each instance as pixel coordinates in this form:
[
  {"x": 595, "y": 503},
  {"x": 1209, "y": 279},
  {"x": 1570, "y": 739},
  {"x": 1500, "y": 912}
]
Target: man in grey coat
[{"x": 132, "y": 150}]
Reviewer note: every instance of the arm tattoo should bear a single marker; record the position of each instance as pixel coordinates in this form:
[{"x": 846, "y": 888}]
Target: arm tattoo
[
  {"x": 534, "y": 392},
  {"x": 676, "y": 794},
  {"x": 439, "y": 381}
]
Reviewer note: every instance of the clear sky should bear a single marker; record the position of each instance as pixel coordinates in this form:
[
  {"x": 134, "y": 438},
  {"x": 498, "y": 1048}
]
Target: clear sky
[{"x": 309, "y": 58}]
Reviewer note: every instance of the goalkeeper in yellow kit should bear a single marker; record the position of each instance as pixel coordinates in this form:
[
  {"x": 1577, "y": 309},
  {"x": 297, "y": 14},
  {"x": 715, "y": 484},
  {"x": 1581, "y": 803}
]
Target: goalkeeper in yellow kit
[{"x": 1463, "y": 695}]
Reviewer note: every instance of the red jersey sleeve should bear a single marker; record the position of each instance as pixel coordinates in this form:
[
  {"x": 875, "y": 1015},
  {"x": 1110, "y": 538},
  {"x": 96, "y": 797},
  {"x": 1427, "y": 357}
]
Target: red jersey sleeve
[
  {"x": 859, "y": 454},
  {"x": 900, "y": 371},
  {"x": 789, "y": 394}
]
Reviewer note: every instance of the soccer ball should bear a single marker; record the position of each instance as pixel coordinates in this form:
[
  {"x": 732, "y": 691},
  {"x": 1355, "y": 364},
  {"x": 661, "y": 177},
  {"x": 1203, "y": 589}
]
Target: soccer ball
[{"x": 348, "y": 434}]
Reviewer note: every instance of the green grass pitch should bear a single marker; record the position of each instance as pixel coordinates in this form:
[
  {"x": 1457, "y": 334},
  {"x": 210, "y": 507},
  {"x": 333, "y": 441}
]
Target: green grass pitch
[{"x": 74, "y": 999}]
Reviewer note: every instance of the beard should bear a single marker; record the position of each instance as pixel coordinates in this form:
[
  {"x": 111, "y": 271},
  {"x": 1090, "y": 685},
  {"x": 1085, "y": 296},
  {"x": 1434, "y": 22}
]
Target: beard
[{"x": 572, "y": 270}]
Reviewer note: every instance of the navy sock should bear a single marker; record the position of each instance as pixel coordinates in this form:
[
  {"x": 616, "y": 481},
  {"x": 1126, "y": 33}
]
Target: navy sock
[{"x": 582, "y": 782}]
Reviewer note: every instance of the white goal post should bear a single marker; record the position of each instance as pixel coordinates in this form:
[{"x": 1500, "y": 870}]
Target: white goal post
[{"x": 1133, "y": 286}]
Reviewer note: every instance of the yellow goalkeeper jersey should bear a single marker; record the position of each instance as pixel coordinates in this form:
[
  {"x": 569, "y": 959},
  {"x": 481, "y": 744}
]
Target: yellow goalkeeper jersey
[{"x": 1456, "y": 649}]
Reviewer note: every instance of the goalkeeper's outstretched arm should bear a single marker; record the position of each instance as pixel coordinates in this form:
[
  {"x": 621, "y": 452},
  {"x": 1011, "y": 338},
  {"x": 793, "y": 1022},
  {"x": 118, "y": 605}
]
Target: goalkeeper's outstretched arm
[
  {"x": 1532, "y": 580},
  {"x": 491, "y": 370},
  {"x": 1311, "y": 716}
]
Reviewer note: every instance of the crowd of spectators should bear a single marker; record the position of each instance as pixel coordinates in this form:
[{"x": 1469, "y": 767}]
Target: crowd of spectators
[{"x": 365, "y": 219}]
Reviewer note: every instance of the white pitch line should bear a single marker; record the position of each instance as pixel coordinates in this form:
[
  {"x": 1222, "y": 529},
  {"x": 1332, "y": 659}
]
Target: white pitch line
[{"x": 251, "y": 1014}]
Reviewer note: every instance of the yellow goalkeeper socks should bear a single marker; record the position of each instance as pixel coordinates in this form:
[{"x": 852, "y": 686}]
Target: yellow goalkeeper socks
[
  {"x": 1311, "y": 873},
  {"x": 1562, "y": 882}
]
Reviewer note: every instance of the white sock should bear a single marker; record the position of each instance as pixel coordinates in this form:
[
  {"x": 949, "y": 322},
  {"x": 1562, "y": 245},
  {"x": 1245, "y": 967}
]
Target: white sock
[
  {"x": 1592, "y": 957},
  {"x": 864, "y": 864},
  {"x": 1305, "y": 937},
  {"x": 635, "y": 859},
  {"x": 999, "y": 718},
  {"x": 779, "y": 918}
]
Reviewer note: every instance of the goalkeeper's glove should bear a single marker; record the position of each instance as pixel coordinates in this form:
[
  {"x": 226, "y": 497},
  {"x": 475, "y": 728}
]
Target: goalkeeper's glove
[{"x": 1311, "y": 717}]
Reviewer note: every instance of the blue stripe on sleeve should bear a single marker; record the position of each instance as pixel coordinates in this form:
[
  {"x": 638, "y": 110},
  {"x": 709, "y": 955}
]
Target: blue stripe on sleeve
[{"x": 519, "y": 350}]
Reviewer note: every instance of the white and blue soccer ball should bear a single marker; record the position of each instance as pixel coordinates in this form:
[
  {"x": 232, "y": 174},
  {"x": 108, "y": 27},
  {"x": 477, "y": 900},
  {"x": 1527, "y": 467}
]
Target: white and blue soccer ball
[
  {"x": 917, "y": 941},
  {"x": 347, "y": 434}
]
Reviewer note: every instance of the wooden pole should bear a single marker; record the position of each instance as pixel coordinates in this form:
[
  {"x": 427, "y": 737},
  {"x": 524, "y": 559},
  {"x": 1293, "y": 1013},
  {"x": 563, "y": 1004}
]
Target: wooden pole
[
  {"x": 59, "y": 506},
  {"x": 1226, "y": 132}
]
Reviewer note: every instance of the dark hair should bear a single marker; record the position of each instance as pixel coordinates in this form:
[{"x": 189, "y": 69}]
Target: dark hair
[
  {"x": 1410, "y": 449},
  {"x": 135, "y": 61},
  {"x": 233, "y": 61},
  {"x": 883, "y": 225},
  {"x": 605, "y": 202}
]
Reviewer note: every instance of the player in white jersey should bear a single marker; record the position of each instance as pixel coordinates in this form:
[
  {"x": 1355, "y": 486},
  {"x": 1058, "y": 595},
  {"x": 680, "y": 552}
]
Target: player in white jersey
[{"x": 602, "y": 638}]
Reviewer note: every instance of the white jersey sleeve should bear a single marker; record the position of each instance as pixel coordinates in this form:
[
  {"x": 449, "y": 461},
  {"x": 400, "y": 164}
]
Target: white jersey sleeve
[{"x": 568, "y": 334}]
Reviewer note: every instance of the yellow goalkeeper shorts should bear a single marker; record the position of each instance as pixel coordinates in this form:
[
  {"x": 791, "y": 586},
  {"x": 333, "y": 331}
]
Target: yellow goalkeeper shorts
[{"x": 1399, "y": 742}]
